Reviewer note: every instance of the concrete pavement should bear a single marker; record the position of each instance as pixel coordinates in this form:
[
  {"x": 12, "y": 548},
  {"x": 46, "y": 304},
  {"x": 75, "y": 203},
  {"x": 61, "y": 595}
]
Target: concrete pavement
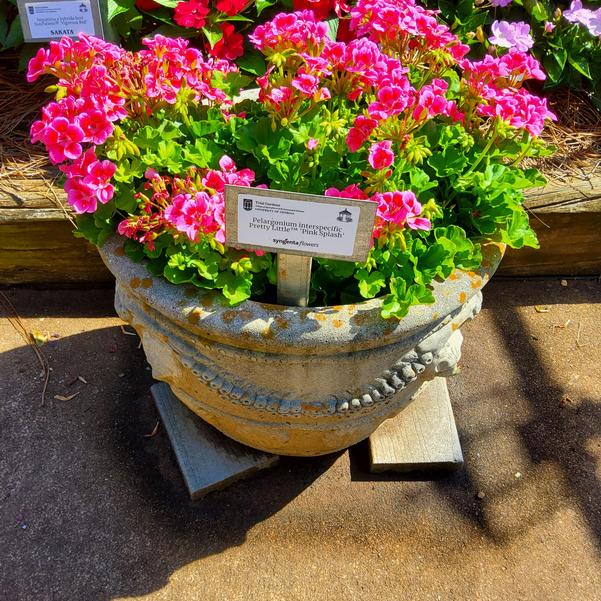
[{"x": 93, "y": 508}]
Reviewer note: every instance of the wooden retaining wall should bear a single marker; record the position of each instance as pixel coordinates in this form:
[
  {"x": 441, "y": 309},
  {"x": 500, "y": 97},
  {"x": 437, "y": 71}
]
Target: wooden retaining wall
[{"x": 37, "y": 245}]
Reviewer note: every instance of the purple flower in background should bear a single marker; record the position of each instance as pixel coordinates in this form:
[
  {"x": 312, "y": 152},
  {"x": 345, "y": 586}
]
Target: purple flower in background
[
  {"x": 511, "y": 35},
  {"x": 500, "y": 3},
  {"x": 584, "y": 16}
]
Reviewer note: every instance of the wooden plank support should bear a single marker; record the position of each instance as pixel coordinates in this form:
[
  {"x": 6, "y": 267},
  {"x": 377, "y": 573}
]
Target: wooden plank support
[
  {"x": 208, "y": 459},
  {"x": 422, "y": 436},
  {"x": 294, "y": 280}
]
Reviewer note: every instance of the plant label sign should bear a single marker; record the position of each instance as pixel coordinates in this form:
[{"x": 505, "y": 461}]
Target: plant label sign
[
  {"x": 47, "y": 20},
  {"x": 293, "y": 223}
]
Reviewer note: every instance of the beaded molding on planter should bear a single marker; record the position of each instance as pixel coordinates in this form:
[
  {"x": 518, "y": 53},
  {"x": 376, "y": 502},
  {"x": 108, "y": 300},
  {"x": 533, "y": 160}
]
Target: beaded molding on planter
[{"x": 436, "y": 355}]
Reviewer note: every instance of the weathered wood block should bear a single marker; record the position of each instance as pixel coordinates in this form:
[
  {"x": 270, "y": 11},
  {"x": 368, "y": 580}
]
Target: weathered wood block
[
  {"x": 422, "y": 436},
  {"x": 208, "y": 459}
]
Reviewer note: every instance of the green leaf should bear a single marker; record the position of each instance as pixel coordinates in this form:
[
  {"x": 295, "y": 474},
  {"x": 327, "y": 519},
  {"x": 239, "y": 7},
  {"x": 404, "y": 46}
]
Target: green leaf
[
  {"x": 554, "y": 63},
  {"x": 261, "y": 5},
  {"x": 370, "y": 283},
  {"x": 236, "y": 288},
  {"x": 118, "y": 7},
  {"x": 212, "y": 36},
  {"x": 168, "y": 3},
  {"x": 448, "y": 162},
  {"x": 14, "y": 37},
  {"x": 581, "y": 65},
  {"x": 332, "y": 28},
  {"x": 253, "y": 62}
]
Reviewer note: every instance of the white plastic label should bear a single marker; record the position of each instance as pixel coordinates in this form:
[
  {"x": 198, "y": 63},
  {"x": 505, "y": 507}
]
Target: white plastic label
[
  {"x": 284, "y": 224},
  {"x": 49, "y": 20}
]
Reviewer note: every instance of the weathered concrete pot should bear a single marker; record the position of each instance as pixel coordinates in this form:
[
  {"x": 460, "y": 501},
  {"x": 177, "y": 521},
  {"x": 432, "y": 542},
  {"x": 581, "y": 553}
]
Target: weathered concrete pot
[{"x": 291, "y": 380}]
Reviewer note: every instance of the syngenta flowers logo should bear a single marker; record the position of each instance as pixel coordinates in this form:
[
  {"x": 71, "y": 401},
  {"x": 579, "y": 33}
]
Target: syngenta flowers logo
[{"x": 247, "y": 204}]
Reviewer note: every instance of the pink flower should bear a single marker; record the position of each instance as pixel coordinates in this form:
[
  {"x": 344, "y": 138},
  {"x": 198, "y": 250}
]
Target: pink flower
[
  {"x": 500, "y": 3},
  {"x": 80, "y": 196},
  {"x": 299, "y": 31},
  {"x": 96, "y": 127},
  {"x": 549, "y": 27},
  {"x": 381, "y": 155},
  {"x": 191, "y": 13},
  {"x": 98, "y": 179},
  {"x": 305, "y": 83},
  {"x": 399, "y": 209},
  {"x": 312, "y": 144},
  {"x": 360, "y": 131},
  {"x": 62, "y": 139},
  {"x": 187, "y": 214},
  {"x": 391, "y": 100},
  {"x": 511, "y": 35},
  {"x": 352, "y": 191}
]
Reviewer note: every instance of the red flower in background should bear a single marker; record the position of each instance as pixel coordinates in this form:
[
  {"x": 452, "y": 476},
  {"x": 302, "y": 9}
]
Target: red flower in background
[
  {"x": 321, "y": 8},
  {"x": 147, "y": 5},
  {"x": 230, "y": 46},
  {"x": 192, "y": 13},
  {"x": 231, "y": 7}
]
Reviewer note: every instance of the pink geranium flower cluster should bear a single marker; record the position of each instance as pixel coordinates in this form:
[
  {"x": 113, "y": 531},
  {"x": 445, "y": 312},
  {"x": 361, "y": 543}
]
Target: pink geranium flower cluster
[
  {"x": 396, "y": 210},
  {"x": 192, "y": 206},
  {"x": 410, "y": 31},
  {"x": 297, "y": 31},
  {"x": 496, "y": 83},
  {"x": 101, "y": 84}
]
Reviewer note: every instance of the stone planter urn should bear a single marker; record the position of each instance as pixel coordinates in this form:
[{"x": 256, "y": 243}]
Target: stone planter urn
[{"x": 298, "y": 381}]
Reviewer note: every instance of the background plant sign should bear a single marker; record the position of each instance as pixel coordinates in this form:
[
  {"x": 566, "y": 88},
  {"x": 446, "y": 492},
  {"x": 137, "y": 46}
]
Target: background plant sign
[
  {"x": 52, "y": 19},
  {"x": 297, "y": 227}
]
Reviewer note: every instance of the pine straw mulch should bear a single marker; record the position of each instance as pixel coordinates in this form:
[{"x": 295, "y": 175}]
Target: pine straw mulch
[{"x": 576, "y": 135}]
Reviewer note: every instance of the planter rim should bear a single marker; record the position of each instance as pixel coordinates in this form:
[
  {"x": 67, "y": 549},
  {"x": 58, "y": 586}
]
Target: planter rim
[{"x": 273, "y": 328}]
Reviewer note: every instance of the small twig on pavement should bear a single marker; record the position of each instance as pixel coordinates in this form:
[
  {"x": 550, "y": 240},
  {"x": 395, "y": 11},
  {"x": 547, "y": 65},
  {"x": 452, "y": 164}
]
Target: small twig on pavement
[
  {"x": 17, "y": 323},
  {"x": 578, "y": 343}
]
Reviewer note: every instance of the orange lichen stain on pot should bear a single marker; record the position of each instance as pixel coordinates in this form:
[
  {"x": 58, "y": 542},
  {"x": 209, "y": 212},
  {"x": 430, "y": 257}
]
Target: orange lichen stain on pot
[
  {"x": 337, "y": 323},
  {"x": 454, "y": 326},
  {"x": 134, "y": 282},
  {"x": 477, "y": 283},
  {"x": 311, "y": 407},
  {"x": 195, "y": 315},
  {"x": 320, "y": 316},
  {"x": 435, "y": 315},
  {"x": 453, "y": 276},
  {"x": 462, "y": 297},
  {"x": 146, "y": 282},
  {"x": 120, "y": 251}
]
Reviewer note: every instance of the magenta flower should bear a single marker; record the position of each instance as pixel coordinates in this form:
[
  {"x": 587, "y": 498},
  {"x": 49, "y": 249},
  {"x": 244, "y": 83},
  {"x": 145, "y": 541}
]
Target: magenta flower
[
  {"x": 549, "y": 27},
  {"x": 511, "y": 35},
  {"x": 359, "y": 133},
  {"x": 191, "y": 14},
  {"x": 351, "y": 191},
  {"x": 62, "y": 139},
  {"x": 96, "y": 127},
  {"x": 99, "y": 178},
  {"x": 80, "y": 196},
  {"x": 500, "y": 3},
  {"x": 381, "y": 155}
]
